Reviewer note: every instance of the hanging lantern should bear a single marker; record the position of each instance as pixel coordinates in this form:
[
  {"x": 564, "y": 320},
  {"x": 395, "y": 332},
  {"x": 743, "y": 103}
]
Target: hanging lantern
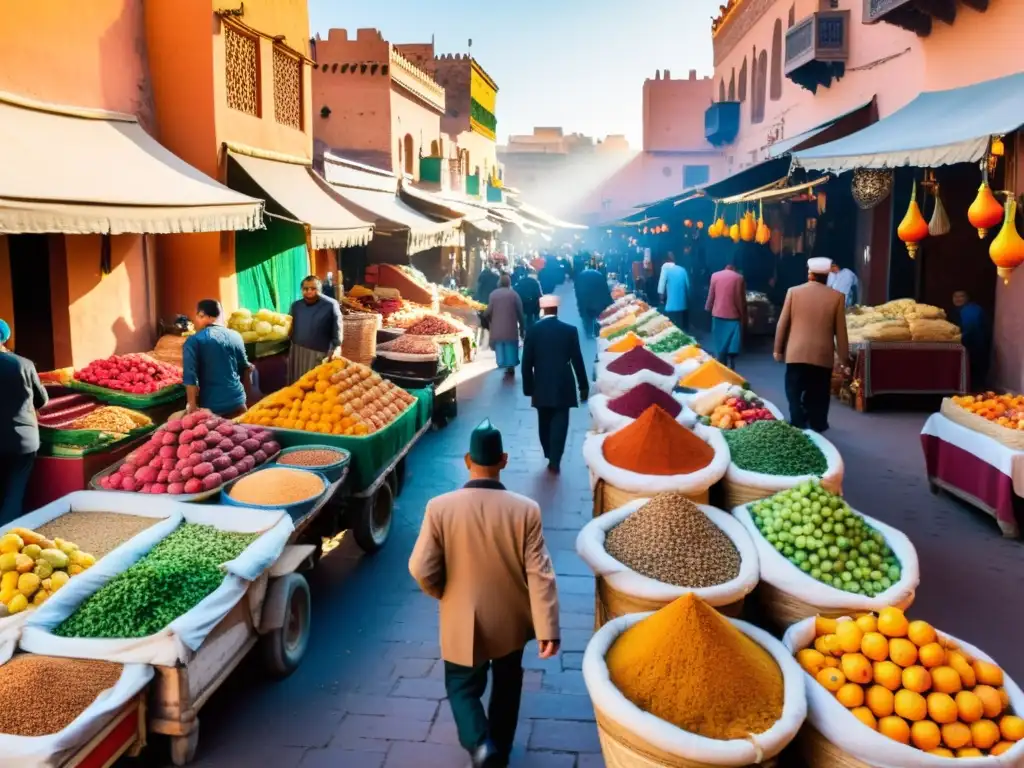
[
  {"x": 870, "y": 187},
  {"x": 939, "y": 225},
  {"x": 664, "y": 227},
  {"x": 748, "y": 227},
  {"x": 687, "y": 223},
  {"x": 700, "y": 225},
  {"x": 645, "y": 230},
  {"x": 985, "y": 212},
  {"x": 913, "y": 229},
  {"x": 822, "y": 203},
  {"x": 1007, "y": 250},
  {"x": 763, "y": 234},
  {"x": 734, "y": 233}
]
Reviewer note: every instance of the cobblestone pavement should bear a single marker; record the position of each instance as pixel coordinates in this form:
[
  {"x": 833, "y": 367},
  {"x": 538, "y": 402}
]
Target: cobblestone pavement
[{"x": 370, "y": 691}]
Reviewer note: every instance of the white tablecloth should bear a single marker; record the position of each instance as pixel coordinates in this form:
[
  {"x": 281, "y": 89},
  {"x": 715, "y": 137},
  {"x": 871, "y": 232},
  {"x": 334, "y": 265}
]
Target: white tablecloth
[{"x": 992, "y": 452}]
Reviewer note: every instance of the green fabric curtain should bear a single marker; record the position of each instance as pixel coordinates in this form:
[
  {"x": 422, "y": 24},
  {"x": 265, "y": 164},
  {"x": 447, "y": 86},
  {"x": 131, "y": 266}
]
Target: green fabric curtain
[{"x": 270, "y": 264}]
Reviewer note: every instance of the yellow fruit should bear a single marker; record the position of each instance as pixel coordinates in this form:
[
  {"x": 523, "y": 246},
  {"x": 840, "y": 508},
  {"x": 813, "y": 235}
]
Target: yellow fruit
[
  {"x": 941, "y": 752},
  {"x": 941, "y": 708},
  {"x": 17, "y": 604},
  {"x": 892, "y": 622},
  {"x": 990, "y": 701},
  {"x": 867, "y": 623},
  {"x": 74, "y": 570},
  {"x": 925, "y": 735},
  {"x": 969, "y": 707},
  {"x": 903, "y": 652},
  {"x": 958, "y": 661},
  {"x": 811, "y": 660},
  {"x": 931, "y": 655},
  {"x": 910, "y": 705},
  {"x": 40, "y": 597},
  {"x": 831, "y": 679},
  {"x": 28, "y": 583},
  {"x": 7, "y": 594},
  {"x": 23, "y": 563},
  {"x": 969, "y": 752},
  {"x": 945, "y": 680},
  {"x": 32, "y": 550},
  {"x": 11, "y": 542},
  {"x": 850, "y": 695},
  {"x": 1012, "y": 728},
  {"x": 849, "y": 636},
  {"x": 832, "y": 661},
  {"x": 58, "y": 580},
  {"x": 987, "y": 674},
  {"x": 875, "y": 646},
  {"x": 831, "y": 642},
  {"x": 916, "y": 679},
  {"x": 864, "y": 715},
  {"x": 984, "y": 734},
  {"x": 895, "y": 728},
  {"x": 889, "y": 675},
  {"x": 9, "y": 580},
  {"x": 1001, "y": 747},
  {"x": 7, "y": 561},
  {"x": 881, "y": 701},
  {"x": 856, "y": 668},
  {"x": 956, "y": 735},
  {"x": 921, "y": 633}
]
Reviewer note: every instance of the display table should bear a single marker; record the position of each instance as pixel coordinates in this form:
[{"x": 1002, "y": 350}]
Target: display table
[
  {"x": 271, "y": 372},
  {"x": 907, "y": 368},
  {"x": 974, "y": 467},
  {"x": 56, "y": 476}
]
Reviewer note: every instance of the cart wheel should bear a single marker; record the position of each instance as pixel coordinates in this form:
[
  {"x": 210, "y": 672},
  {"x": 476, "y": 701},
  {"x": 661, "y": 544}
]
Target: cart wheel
[
  {"x": 371, "y": 522},
  {"x": 284, "y": 647},
  {"x": 183, "y": 748}
]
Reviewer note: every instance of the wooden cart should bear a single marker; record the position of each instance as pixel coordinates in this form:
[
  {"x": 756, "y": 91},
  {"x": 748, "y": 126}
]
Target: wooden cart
[{"x": 125, "y": 734}]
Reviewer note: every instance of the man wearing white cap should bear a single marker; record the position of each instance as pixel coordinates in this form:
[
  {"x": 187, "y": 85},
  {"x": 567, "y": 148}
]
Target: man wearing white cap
[
  {"x": 810, "y": 333},
  {"x": 553, "y": 371}
]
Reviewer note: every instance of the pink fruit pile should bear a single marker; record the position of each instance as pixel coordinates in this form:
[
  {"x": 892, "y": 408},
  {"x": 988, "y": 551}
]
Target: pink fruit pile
[
  {"x": 135, "y": 374},
  {"x": 199, "y": 452}
]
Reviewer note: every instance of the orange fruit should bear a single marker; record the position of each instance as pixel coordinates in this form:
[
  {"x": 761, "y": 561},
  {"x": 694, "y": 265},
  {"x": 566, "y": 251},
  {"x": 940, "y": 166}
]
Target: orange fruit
[
  {"x": 984, "y": 734},
  {"x": 1004, "y": 696},
  {"x": 831, "y": 679},
  {"x": 828, "y": 645},
  {"x": 969, "y": 752},
  {"x": 880, "y": 701},
  {"x": 1012, "y": 728},
  {"x": 969, "y": 707},
  {"x": 925, "y": 735},
  {"x": 832, "y": 661},
  {"x": 990, "y": 700},
  {"x": 931, "y": 655},
  {"x": 889, "y": 675},
  {"x": 895, "y": 728},
  {"x": 875, "y": 646},
  {"x": 824, "y": 626},
  {"x": 987, "y": 674},
  {"x": 921, "y": 633},
  {"x": 941, "y": 752},
  {"x": 892, "y": 622},
  {"x": 867, "y": 623},
  {"x": 1001, "y": 747},
  {"x": 941, "y": 708},
  {"x": 903, "y": 652},
  {"x": 945, "y": 680},
  {"x": 849, "y": 636},
  {"x": 917, "y": 679},
  {"x": 864, "y": 715},
  {"x": 958, "y": 661},
  {"x": 856, "y": 668},
  {"x": 956, "y": 735},
  {"x": 850, "y": 695},
  {"x": 911, "y": 706},
  {"x": 811, "y": 660}
]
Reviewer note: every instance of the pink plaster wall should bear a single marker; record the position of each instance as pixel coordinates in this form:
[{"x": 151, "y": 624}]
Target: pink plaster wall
[
  {"x": 410, "y": 117},
  {"x": 674, "y": 112}
]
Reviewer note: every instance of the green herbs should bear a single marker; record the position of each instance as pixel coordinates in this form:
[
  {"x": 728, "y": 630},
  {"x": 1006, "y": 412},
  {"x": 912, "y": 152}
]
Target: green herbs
[
  {"x": 775, "y": 448},
  {"x": 670, "y": 343},
  {"x": 169, "y": 581},
  {"x": 621, "y": 332}
]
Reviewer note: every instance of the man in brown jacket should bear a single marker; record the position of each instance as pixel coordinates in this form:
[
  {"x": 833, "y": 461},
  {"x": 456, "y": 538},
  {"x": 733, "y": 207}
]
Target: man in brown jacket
[
  {"x": 481, "y": 552},
  {"x": 810, "y": 333}
]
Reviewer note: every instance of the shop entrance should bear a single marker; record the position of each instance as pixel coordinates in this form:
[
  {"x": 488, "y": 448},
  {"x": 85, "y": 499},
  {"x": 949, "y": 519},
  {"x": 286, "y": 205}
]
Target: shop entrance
[{"x": 30, "y": 284}]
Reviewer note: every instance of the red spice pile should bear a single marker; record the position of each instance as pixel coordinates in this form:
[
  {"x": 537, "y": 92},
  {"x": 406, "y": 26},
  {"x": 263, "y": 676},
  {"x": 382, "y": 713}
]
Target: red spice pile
[
  {"x": 639, "y": 359},
  {"x": 657, "y": 444},
  {"x": 642, "y": 397}
]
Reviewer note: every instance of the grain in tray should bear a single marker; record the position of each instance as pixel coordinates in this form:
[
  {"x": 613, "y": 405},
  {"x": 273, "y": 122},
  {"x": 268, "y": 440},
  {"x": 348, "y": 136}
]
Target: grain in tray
[
  {"x": 311, "y": 458},
  {"x": 98, "y": 533},
  {"x": 277, "y": 485}
]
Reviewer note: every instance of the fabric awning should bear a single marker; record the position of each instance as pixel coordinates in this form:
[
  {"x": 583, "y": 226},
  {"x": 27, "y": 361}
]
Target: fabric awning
[
  {"x": 80, "y": 171},
  {"x": 449, "y": 209},
  {"x": 749, "y": 179},
  {"x": 795, "y": 143},
  {"x": 937, "y": 128},
  {"x": 775, "y": 192},
  {"x": 530, "y": 212},
  {"x": 295, "y": 188}
]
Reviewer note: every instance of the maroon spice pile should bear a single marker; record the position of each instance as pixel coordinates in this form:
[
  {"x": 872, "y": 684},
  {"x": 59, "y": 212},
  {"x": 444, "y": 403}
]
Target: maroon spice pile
[
  {"x": 642, "y": 397},
  {"x": 639, "y": 359}
]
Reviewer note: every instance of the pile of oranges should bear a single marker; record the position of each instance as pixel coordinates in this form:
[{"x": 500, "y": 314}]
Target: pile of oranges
[
  {"x": 901, "y": 679},
  {"x": 1004, "y": 410}
]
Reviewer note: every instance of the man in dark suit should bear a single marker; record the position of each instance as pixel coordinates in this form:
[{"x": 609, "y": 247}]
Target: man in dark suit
[{"x": 553, "y": 371}]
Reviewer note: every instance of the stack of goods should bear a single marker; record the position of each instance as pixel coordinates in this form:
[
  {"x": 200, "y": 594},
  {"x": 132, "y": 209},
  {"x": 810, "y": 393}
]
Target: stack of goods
[
  {"x": 339, "y": 397},
  {"x": 621, "y": 330},
  {"x": 625, "y": 343},
  {"x": 908, "y": 683},
  {"x": 737, "y": 411},
  {"x": 265, "y": 325},
  {"x": 98, "y": 533},
  {"x": 669, "y": 342},
  {"x": 689, "y": 352},
  {"x": 775, "y": 448},
  {"x": 639, "y": 359},
  {"x": 999, "y": 416},
  {"x": 64, "y": 409},
  {"x": 168, "y": 349},
  {"x": 633, "y": 403},
  {"x": 616, "y": 305},
  {"x": 654, "y": 326},
  {"x": 312, "y": 458},
  {"x": 423, "y": 347},
  {"x": 408, "y": 281},
  {"x": 111, "y": 418},
  {"x": 357, "y": 300},
  {"x": 194, "y": 454},
  {"x": 711, "y": 373},
  {"x": 431, "y": 325},
  {"x": 458, "y": 300},
  {"x": 174, "y": 577},
  {"x": 77, "y": 424},
  {"x": 626, "y": 322},
  {"x": 278, "y": 487},
  {"x": 900, "y": 320},
  {"x": 35, "y": 567},
  {"x": 131, "y": 374},
  {"x": 406, "y": 317},
  {"x": 656, "y": 444},
  {"x": 638, "y": 366}
]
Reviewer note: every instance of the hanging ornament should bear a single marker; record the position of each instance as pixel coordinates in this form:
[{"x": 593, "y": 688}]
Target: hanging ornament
[
  {"x": 939, "y": 225},
  {"x": 764, "y": 234},
  {"x": 822, "y": 203},
  {"x": 700, "y": 225},
  {"x": 870, "y": 187},
  {"x": 748, "y": 227},
  {"x": 717, "y": 227},
  {"x": 985, "y": 212},
  {"x": 1007, "y": 250},
  {"x": 687, "y": 223},
  {"x": 913, "y": 229},
  {"x": 734, "y": 232}
]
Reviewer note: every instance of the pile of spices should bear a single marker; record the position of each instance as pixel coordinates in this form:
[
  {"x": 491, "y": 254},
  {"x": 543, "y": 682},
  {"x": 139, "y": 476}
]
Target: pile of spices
[
  {"x": 689, "y": 666},
  {"x": 432, "y": 326},
  {"x": 68, "y": 687},
  {"x": 111, "y": 418},
  {"x": 621, "y": 332},
  {"x": 657, "y": 444},
  {"x": 671, "y": 540},
  {"x": 639, "y": 359},
  {"x": 710, "y": 374},
  {"x": 97, "y": 533},
  {"x": 626, "y": 343},
  {"x": 277, "y": 485},
  {"x": 641, "y": 397},
  {"x": 775, "y": 448},
  {"x": 311, "y": 457},
  {"x": 626, "y": 321},
  {"x": 169, "y": 581},
  {"x": 410, "y": 345},
  {"x": 687, "y": 353},
  {"x": 671, "y": 342}
]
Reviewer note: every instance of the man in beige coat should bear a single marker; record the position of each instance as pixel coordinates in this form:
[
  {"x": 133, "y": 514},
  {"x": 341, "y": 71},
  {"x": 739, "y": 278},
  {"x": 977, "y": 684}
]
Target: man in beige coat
[
  {"x": 481, "y": 552},
  {"x": 810, "y": 333}
]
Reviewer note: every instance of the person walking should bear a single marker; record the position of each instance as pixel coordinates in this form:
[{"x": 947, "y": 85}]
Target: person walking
[
  {"x": 215, "y": 369},
  {"x": 727, "y": 303},
  {"x": 810, "y": 333},
  {"x": 316, "y": 329},
  {"x": 592, "y": 298},
  {"x": 976, "y": 337},
  {"x": 506, "y": 323},
  {"x": 21, "y": 395},
  {"x": 551, "y": 276},
  {"x": 486, "y": 283},
  {"x": 673, "y": 291},
  {"x": 529, "y": 291},
  {"x": 330, "y": 290},
  {"x": 481, "y": 553},
  {"x": 845, "y": 281},
  {"x": 553, "y": 371}
]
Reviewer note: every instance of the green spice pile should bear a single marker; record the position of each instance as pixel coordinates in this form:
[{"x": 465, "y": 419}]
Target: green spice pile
[
  {"x": 671, "y": 540},
  {"x": 621, "y": 332},
  {"x": 169, "y": 581},
  {"x": 670, "y": 343},
  {"x": 775, "y": 448}
]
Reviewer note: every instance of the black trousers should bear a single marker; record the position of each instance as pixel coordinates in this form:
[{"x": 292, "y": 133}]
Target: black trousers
[
  {"x": 15, "y": 471},
  {"x": 465, "y": 687},
  {"x": 589, "y": 322},
  {"x": 680, "y": 318},
  {"x": 808, "y": 390},
  {"x": 554, "y": 428}
]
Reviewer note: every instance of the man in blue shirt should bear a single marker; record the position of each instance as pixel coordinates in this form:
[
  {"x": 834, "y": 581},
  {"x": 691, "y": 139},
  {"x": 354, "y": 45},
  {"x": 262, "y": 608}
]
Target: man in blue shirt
[
  {"x": 215, "y": 369},
  {"x": 673, "y": 289},
  {"x": 975, "y": 336}
]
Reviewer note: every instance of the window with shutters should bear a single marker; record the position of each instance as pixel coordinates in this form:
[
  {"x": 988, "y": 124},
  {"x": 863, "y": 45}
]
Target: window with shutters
[
  {"x": 241, "y": 71},
  {"x": 287, "y": 88}
]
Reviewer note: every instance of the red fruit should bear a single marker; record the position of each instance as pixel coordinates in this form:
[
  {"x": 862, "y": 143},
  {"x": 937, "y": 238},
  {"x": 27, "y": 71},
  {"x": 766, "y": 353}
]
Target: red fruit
[
  {"x": 211, "y": 481},
  {"x": 146, "y": 488},
  {"x": 174, "y": 476},
  {"x": 194, "y": 459},
  {"x": 146, "y": 475},
  {"x": 226, "y": 444},
  {"x": 167, "y": 452},
  {"x": 156, "y": 463},
  {"x": 105, "y": 483},
  {"x": 212, "y": 440},
  {"x": 194, "y": 485},
  {"x": 185, "y": 472},
  {"x": 186, "y": 435},
  {"x": 237, "y": 453},
  {"x": 202, "y": 470},
  {"x": 162, "y": 475},
  {"x": 199, "y": 432},
  {"x": 211, "y": 454},
  {"x": 226, "y": 429},
  {"x": 259, "y": 456},
  {"x": 183, "y": 452},
  {"x": 238, "y": 434},
  {"x": 158, "y": 488},
  {"x": 271, "y": 447},
  {"x": 114, "y": 481},
  {"x": 129, "y": 484},
  {"x": 169, "y": 464},
  {"x": 174, "y": 425},
  {"x": 228, "y": 474},
  {"x": 248, "y": 462},
  {"x": 251, "y": 445},
  {"x": 221, "y": 462},
  {"x": 197, "y": 446},
  {"x": 176, "y": 488}
]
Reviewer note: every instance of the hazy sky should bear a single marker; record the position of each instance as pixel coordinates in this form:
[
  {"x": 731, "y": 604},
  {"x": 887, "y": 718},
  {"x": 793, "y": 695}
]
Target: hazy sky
[{"x": 579, "y": 64}]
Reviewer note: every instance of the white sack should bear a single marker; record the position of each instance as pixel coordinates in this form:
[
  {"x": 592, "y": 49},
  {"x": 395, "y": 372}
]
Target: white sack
[
  {"x": 176, "y": 642},
  {"x": 832, "y": 480},
  {"x": 590, "y": 548},
  {"x": 784, "y": 576},
  {"x": 834, "y": 722},
  {"x": 606, "y": 420},
  {"x": 675, "y": 741},
  {"x": 55, "y": 749},
  {"x": 694, "y": 482},
  {"x": 613, "y": 384}
]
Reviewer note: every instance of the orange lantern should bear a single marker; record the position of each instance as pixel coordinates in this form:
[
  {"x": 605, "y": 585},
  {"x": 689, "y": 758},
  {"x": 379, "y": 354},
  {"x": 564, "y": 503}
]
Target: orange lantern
[
  {"x": 763, "y": 233},
  {"x": 985, "y": 212},
  {"x": 687, "y": 223},
  {"x": 645, "y": 230},
  {"x": 748, "y": 227},
  {"x": 913, "y": 229},
  {"x": 700, "y": 225},
  {"x": 1007, "y": 250},
  {"x": 734, "y": 233}
]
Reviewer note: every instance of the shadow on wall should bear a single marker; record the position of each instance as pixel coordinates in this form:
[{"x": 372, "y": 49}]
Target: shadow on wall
[
  {"x": 126, "y": 339},
  {"x": 127, "y": 29}
]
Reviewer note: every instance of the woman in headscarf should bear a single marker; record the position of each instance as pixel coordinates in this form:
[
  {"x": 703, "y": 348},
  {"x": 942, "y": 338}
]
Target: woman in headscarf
[
  {"x": 21, "y": 395},
  {"x": 506, "y": 323}
]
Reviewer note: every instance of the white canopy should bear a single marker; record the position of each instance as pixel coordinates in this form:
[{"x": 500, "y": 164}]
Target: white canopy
[
  {"x": 468, "y": 214},
  {"x": 80, "y": 171}
]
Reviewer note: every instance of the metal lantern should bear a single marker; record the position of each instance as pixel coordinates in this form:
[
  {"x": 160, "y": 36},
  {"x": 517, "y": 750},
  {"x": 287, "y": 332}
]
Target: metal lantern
[{"x": 871, "y": 186}]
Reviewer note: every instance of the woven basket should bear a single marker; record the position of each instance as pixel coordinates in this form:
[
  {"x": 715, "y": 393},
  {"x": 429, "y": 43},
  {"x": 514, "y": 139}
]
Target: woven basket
[
  {"x": 738, "y": 494},
  {"x": 610, "y": 603},
  {"x": 1011, "y": 438},
  {"x": 607, "y": 497},
  {"x": 819, "y": 752},
  {"x": 359, "y": 342},
  {"x": 784, "y": 609}
]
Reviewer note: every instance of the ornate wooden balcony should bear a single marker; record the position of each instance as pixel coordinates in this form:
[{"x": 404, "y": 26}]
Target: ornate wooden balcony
[
  {"x": 916, "y": 15},
  {"x": 817, "y": 48},
  {"x": 722, "y": 122}
]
